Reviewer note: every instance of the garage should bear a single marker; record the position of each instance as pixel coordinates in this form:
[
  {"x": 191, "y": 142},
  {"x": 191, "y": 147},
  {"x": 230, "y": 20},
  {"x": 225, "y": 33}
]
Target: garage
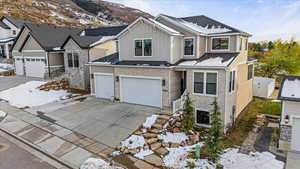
[
  {"x": 35, "y": 67},
  {"x": 141, "y": 90},
  {"x": 19, "y": 66},
  {"x": 295, "y": 134},
  {"x": 104, "y": 85}
]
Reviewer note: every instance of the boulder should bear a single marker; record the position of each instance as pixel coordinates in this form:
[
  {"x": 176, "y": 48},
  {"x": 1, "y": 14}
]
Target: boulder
[
  {"x": 158, "y": 126},
  {"x": 162, "y": 151},
  {"x": 149, "y": 135},
  {"x": 174, "y": 145},
  {"x": 152, "y": 140},
  {"x": 155, "y": 131},
  {"x": 155, "y": 146},
  {"x": 164, "y": 117}
]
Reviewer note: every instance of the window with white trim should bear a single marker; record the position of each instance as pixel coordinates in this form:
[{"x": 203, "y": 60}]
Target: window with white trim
[
  {"x": 73, "y": 60},
  {"x": 250, "y": 72},
  {"x": 232, "y": 81},
  {"x": 143, "y": 47},
  {"x": 189, "y": 46},
  {"x": 205, "y": 83},
  {"x": 220, "y": 43},
  {"x": 202, "y": 117},
  {"x": 241, "y": 44}
]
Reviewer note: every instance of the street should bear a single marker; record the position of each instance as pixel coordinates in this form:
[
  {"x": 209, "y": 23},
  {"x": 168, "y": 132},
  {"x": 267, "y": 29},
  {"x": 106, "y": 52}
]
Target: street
[{"x": 16, "y": 155}]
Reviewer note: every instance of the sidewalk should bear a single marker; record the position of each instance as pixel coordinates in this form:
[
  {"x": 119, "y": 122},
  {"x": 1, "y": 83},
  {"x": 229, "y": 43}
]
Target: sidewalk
[
  {"x": 293, "y": 160},
  {"x": 63, "y": 144}
]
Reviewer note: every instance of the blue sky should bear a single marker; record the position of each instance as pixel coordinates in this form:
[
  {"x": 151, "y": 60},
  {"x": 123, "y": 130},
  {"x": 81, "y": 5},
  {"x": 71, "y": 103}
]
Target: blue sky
[{"x": 264, "y": 19}]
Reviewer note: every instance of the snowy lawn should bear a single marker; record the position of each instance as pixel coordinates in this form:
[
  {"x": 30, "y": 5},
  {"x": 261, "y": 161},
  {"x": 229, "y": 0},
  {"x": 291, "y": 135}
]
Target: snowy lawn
[
  {"x": 27, "y": 95},
  {"x": 97, "y": 163},
  {"x": 133, "y": 142},
  {"x": 173, "y": 137},
  {"x": 5, "y": 67}
]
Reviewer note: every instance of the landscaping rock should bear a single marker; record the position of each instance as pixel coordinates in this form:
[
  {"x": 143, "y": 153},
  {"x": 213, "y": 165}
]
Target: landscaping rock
[
  {"x": 161, "y": 121},
  {"x": 155, "y": 146},
  {"x": 155, "y": 131},
  {"x": 176, "y": 130},
  {"x": 174, "y": 145},
  {"x": 164, "y": 117},
  {"x": 158, "y": 126},
  {"x": 154, "y": 159},
  {"x": 152, "y": 140},
  {"x": 162, "y": 151},
  {"x": 134, "y": 151},
  {"x": 178, "y": 124},
  {"x": 149, "y": 135}
]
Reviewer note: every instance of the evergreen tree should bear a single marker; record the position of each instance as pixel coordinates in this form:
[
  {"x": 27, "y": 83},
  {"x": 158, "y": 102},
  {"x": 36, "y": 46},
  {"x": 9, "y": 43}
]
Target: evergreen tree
[
  {"x": 213, "y": 145},
  {"x": 188, "y": 119}
]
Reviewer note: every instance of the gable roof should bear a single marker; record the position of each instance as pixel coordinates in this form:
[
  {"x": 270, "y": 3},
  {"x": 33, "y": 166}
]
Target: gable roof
[
  {"x": 110, "y": 59},
  {"x": 19, "y": 23},
  {"x": 155, "y": 23},
  {"x": 209, "y": 60},
  {"x": 3, "y": 25},
  {"x": 290, "y": 89},
  {"x": 50, "y": 38},
  {"x": 203, "y": 25},
  {"x": 83, "y": 42},
  {"x": 104, "y": 31}
]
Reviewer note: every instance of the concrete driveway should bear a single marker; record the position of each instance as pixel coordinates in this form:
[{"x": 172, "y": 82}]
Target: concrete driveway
[
  {"x": 7, "y": 82},
  {"x": 102, "y": 120}
]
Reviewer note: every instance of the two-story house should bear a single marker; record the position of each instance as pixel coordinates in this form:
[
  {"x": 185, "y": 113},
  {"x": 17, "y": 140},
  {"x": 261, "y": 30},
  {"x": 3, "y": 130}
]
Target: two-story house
[
  {"x": 9, "y": 29},
  {"x": 158, "y": 59}
]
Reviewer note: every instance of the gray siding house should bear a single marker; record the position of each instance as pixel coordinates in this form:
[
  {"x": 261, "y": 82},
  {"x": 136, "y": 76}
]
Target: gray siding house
[
  {"x": 37, "y": 50},
  {"x": 160, "y": 59}
]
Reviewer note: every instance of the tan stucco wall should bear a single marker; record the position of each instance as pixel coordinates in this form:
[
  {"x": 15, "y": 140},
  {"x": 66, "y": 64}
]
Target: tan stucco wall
[
  {"x": 103, "y": 49},
  {"x": 160, "y": 43}
]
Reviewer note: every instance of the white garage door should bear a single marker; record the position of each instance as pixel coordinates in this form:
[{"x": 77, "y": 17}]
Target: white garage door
[
  {"x": 19, "y": 66},
  {"x": 142, "y": 91},
  {"x": 104, "y": 85},
  {"x": 296, "y": 134},
  {"x": 35, "y": 67}
]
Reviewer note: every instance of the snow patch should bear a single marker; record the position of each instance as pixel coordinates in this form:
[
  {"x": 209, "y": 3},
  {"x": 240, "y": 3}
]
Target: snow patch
[
  {"x": 103, "y": 39},
  {"x": 173, "y": 137},
  {"x": 97, "y": 163},
  {"x": 27, "y": 95},
  {"x": 206, "y": 30},
  {"x": 216, "y": 61},
  {"x": 143, "y": 153},
  {"x": 2, "y": 114},
  {"x": 5, "y": 66},
  {"x": 150, "y": 121},
  {"x": 133, "y": 142}
]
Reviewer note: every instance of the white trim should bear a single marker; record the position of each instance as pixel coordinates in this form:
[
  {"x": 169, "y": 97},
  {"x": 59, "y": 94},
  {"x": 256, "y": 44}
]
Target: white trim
[
  {"x": 106, "y": 74},
  {"x": 141, "y": 77},
  {"x": 194, "y": 45},
  {"x": 200, "y": 124},
  {"x": 33, "y": 57},
  {"x": 33, "y": 51},
  {"x": 204, "y": 85},
  {"x": 220, "y": 50},
  {"x": 55, "y": 66},
  {"x": 143, "y": 45}
]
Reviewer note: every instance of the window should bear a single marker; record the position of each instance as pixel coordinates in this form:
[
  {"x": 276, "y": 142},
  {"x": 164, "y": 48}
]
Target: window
[
  {"x": 250, "y": 72},
  {"x": 138, "y": 47},
  {"x": 188, "y": 46},
  {"x": 246, "y": 44},
  {"x": 147, "y": 47},
  {"x": 70, "y": 60},
  {"x": 202, "y": 117},
  {"x": 205, "y": 83},
  {"x": 76, "y": 59},
  {"x": 143, "y": 47},
  {"x": 220, "y": 43},
  {"x": 211, "y": 83},
  {"x": 232, "y": 81},
  {"x": 199, "y": 82},
  {"x": 14, "y": 32},
  {"x": 241, "y": 43}
]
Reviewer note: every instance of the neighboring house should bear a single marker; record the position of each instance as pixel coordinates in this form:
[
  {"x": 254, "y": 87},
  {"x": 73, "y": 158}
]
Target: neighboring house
[
  {"x": 290, "y": 116},
  {"x": 89, "y": 45},
  {"x": 159, "y": 59},
  {"x": 37, "y": 50},
  {"x": 9, "y": 29}
]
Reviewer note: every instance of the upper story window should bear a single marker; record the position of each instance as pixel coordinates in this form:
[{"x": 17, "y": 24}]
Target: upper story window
[
  {"x": 73, "y": 60},
  {"x": 189, "y": 46},
  {"x": 143, "y": 47},
  {"x": 232, "y": 81},
  {"x": 241, "y": 44},
  {"x": 205, "y": 83},
  {"x": 220, "y": 44}
]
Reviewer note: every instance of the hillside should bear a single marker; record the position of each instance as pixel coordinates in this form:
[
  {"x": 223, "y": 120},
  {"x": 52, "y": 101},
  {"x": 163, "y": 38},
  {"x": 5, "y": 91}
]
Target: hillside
[{"x": 69, "y": 13}]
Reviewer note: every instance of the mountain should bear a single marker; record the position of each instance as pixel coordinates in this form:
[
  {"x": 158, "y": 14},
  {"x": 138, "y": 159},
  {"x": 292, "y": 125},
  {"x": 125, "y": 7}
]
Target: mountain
[{"x": 70, "y": 13}]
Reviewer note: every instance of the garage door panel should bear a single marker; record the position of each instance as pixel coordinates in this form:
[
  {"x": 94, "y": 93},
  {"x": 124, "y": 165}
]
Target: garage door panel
[
  {"x": 141, "y": 91},
  {"x": 104, "y": 86},
  {"x": 296, "y": 134},
  {"x": 19, "y": 66},
  {"x": 35, "y": 67}
]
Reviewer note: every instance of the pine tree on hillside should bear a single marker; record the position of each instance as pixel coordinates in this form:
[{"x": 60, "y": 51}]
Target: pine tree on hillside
[{"x": 188, "y": 119}]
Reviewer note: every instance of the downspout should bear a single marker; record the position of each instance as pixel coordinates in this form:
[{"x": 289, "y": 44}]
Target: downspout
[{"x": 48, "y": 60}]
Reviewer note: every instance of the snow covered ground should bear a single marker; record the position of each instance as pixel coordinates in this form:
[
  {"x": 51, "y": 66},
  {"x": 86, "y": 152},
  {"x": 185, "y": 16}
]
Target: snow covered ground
[
  {"x": 5, "y": 67},
  {"x": 173, "y": 137},
  {"x": 97, "y": 163},
  {"x": 27, "y": 95},
  {"x": 133, "y": 142},
  {"x": 150, "y": 121}
]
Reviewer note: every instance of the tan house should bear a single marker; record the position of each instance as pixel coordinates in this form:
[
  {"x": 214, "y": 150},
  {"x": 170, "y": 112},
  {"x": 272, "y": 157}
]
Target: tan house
[
  {"x": 159, "y": 59},
  {"x": 37, "y": 50},
  {"x": 88, "y": 45}
]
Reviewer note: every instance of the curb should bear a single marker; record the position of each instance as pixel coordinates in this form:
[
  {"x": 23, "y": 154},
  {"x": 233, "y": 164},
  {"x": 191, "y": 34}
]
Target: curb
[{"x": 66, "y": 164}]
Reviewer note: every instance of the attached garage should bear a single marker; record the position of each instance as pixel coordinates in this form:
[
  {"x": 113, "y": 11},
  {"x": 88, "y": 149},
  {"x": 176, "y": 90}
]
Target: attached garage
[
  {"x": 104, "y": 85},
  {"x": 296, "y": 134},
  {"x": 35, "y": 67},
  {"x": 141, "y": 90},
  {"x": 19, "y": 66}
]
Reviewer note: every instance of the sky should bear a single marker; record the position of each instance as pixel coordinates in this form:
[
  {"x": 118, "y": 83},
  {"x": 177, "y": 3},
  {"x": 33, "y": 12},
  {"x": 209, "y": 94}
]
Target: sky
[{"x": 264, "y": 19}]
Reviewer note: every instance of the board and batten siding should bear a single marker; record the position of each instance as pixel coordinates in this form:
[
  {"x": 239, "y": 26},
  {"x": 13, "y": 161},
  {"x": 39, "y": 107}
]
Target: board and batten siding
[
  {"x": 32, "y": 44},
  {"x": 161, "y": 43},
  {"x": 102, "y": 50},
  {"x": 232, "y": 44}
]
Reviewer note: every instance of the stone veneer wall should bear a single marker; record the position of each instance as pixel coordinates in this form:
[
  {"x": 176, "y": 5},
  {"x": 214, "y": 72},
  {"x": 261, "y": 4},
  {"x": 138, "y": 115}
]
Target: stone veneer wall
[{"x": 285, "y": 137}]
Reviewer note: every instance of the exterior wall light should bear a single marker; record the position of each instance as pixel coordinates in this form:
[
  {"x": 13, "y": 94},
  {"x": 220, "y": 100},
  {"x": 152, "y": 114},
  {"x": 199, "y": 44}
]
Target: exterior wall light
[
  {"x": 117, "y": 78},
  {"x": 287, "y": 119},
  {"x": 163, "y": 82}
]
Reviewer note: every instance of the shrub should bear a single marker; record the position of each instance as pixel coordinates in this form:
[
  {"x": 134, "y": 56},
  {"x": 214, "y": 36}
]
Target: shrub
[{"x": 188, "y": 119}]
